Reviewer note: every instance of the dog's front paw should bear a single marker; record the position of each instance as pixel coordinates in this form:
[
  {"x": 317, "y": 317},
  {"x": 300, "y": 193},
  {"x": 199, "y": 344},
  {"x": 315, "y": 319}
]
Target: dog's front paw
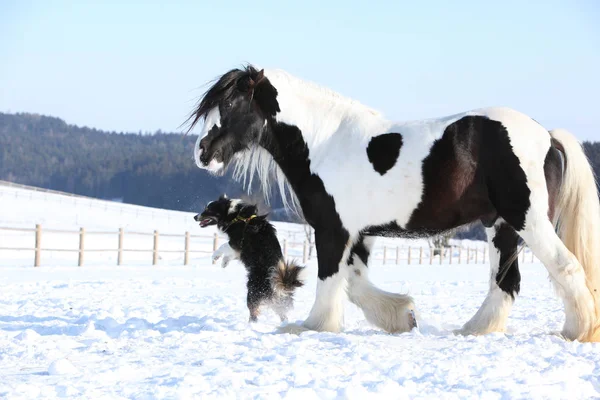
[{"x": 225, "y": 262}]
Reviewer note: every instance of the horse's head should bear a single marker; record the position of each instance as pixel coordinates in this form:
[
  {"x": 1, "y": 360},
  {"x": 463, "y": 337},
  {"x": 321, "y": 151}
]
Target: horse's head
[{"x": 235, "y": 110}]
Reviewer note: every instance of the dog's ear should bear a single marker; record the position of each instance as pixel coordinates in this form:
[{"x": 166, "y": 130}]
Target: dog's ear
[
  {"x": 247, "y": 210},
  {"x": 223, "y": 196}
]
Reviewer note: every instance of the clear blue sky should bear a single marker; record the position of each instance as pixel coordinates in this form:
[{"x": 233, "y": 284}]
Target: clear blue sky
[{"x": 130, "y": 66}]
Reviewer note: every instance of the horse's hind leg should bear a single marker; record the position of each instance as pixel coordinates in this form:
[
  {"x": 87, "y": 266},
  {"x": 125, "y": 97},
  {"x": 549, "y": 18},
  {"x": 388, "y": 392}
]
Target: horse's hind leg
[
  {"x": 566, "y": 273},
  {"x": 505, "y": 282},
  {"x": 389, "y": 311}
]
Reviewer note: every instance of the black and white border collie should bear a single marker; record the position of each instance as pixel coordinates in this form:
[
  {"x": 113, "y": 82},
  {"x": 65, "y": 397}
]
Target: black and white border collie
[{"x": 253, "y": 240}]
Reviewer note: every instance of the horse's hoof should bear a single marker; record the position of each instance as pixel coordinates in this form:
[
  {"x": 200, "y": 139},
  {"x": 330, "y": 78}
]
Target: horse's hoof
[{"x": 413, "y": 319}]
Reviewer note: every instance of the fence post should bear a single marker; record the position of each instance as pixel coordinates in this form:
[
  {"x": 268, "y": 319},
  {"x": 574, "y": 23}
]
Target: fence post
[
  {"x": 451, "y": 254},
  {"x": 215, "y": 245},
  {"x": 120, "y": 250},
  {"x": 468, "y": 254},
  {"x": 476, "y": 254},
  {"x": 442, "y": 254},
  {"x": 305, "y": 252},
  {"x": 430, "y": 256},
  {"x": 397, "y": 255},
  {"x": 38, "y": 245},
  {"x": 155, "y": 249},
  {"x": 384, "y": 254},
  {"x": 421, "y": 255},
  {"x": 81, "y": 246},
  {"x": 285, "y": 248},
  {"x": 459, "y": 254},
  {"x": 485, "y": 253},
  {"x": 186, "y": 255},
  {"x": 409, "y": 255}
]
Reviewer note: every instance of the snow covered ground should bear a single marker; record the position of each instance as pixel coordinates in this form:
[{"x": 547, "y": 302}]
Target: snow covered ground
[
  {"x": 174, "y": 332},
  {"x": 182, "y": 332}
]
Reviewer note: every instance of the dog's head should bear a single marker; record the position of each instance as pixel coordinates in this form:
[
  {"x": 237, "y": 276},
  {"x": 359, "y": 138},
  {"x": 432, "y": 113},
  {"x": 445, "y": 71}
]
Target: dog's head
[{"x": 224, "y": 211}]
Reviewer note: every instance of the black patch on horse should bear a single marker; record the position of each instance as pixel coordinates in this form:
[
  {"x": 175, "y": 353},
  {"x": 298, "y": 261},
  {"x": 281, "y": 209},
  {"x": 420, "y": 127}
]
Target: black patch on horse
[
  {"x": 289, "y": 150},
  {"x": 383, "y": 151},
  {"x": 554, "y": 166},
  {"x": 359, "y": 249},
  {"x": 508, "y": 277},
  {"x": 482, "y": 178}
]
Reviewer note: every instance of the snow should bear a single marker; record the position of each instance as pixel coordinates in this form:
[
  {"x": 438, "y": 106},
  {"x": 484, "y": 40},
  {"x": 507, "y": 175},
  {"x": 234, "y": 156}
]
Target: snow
[
  {"x": 181, "y": 332},
  {"x": 61, "y": 367}
]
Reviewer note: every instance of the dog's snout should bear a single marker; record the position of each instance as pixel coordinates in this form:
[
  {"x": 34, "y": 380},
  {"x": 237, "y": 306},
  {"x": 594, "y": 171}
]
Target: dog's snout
[{"x": 197, "y": 217}]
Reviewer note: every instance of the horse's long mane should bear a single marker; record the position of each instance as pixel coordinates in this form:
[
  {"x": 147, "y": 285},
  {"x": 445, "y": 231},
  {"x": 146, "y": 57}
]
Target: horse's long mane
[
  {"x": 315, "y": 90},
  {"x": 223, "y": 87},
  {"x": 257, "y": 161}
]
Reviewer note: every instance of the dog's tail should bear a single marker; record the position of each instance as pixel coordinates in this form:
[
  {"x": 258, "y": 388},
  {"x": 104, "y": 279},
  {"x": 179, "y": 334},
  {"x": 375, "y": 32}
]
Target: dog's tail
[{"x": 286, "y": 277}]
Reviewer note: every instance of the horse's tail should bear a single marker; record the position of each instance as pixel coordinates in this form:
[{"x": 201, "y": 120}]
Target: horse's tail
[{"x": 578, "y": 216}]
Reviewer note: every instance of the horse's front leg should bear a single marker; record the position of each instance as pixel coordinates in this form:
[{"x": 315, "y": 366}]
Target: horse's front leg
[
  {"x": 327, "y": 313},
  {"x": 391, "y": 312}
]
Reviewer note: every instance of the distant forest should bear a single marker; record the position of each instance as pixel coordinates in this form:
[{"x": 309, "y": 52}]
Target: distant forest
[{"x": 155, "y": 170}]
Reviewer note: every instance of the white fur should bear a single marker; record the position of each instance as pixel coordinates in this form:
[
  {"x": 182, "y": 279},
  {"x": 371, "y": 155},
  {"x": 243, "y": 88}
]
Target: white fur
[
  {"x": 227, "y": 253},
  {"x": 212, "y": 118},
  {"x": 233, "y": 203},
  {"x": 493, "y": 313},
  {"x": 389, "y": 311},
  {"x": 327, "y": 313},
  {"x": 257, "y": 161}
]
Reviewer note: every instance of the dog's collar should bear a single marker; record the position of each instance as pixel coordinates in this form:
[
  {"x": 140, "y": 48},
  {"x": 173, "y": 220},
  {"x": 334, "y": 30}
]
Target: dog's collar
[
  {"x": 238, "y": 219},
  {"x": 242, "y": 219}
]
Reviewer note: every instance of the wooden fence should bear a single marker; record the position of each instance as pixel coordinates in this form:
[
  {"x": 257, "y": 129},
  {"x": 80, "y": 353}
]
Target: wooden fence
[
  {"x": 386, "y": 254},
  {"x": 186, "y": 240}
]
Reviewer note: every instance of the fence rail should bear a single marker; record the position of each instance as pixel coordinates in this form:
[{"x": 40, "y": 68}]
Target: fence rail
[{"x": 386, "y": 254}]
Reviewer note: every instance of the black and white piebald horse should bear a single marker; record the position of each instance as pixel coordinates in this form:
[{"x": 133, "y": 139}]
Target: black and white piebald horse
[{"x": 355, "y": 175}]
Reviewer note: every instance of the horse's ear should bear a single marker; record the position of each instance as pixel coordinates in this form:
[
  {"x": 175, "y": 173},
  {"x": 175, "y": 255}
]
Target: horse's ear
[
  {"x": 260, "y": 76},
  {"x": 264, "y": 94}
]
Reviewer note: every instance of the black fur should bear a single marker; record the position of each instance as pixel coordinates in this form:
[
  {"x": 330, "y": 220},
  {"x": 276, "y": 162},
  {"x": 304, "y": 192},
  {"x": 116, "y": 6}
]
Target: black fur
[
  {"x": 271, "y": 280},
  {"x": 383, "y": 151},
  {"x": 508, "y": 277},
  {"x": 554, "y": 166},
  {"x": 359, "y": 249},
  {"x": 291, "y": 153}
]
